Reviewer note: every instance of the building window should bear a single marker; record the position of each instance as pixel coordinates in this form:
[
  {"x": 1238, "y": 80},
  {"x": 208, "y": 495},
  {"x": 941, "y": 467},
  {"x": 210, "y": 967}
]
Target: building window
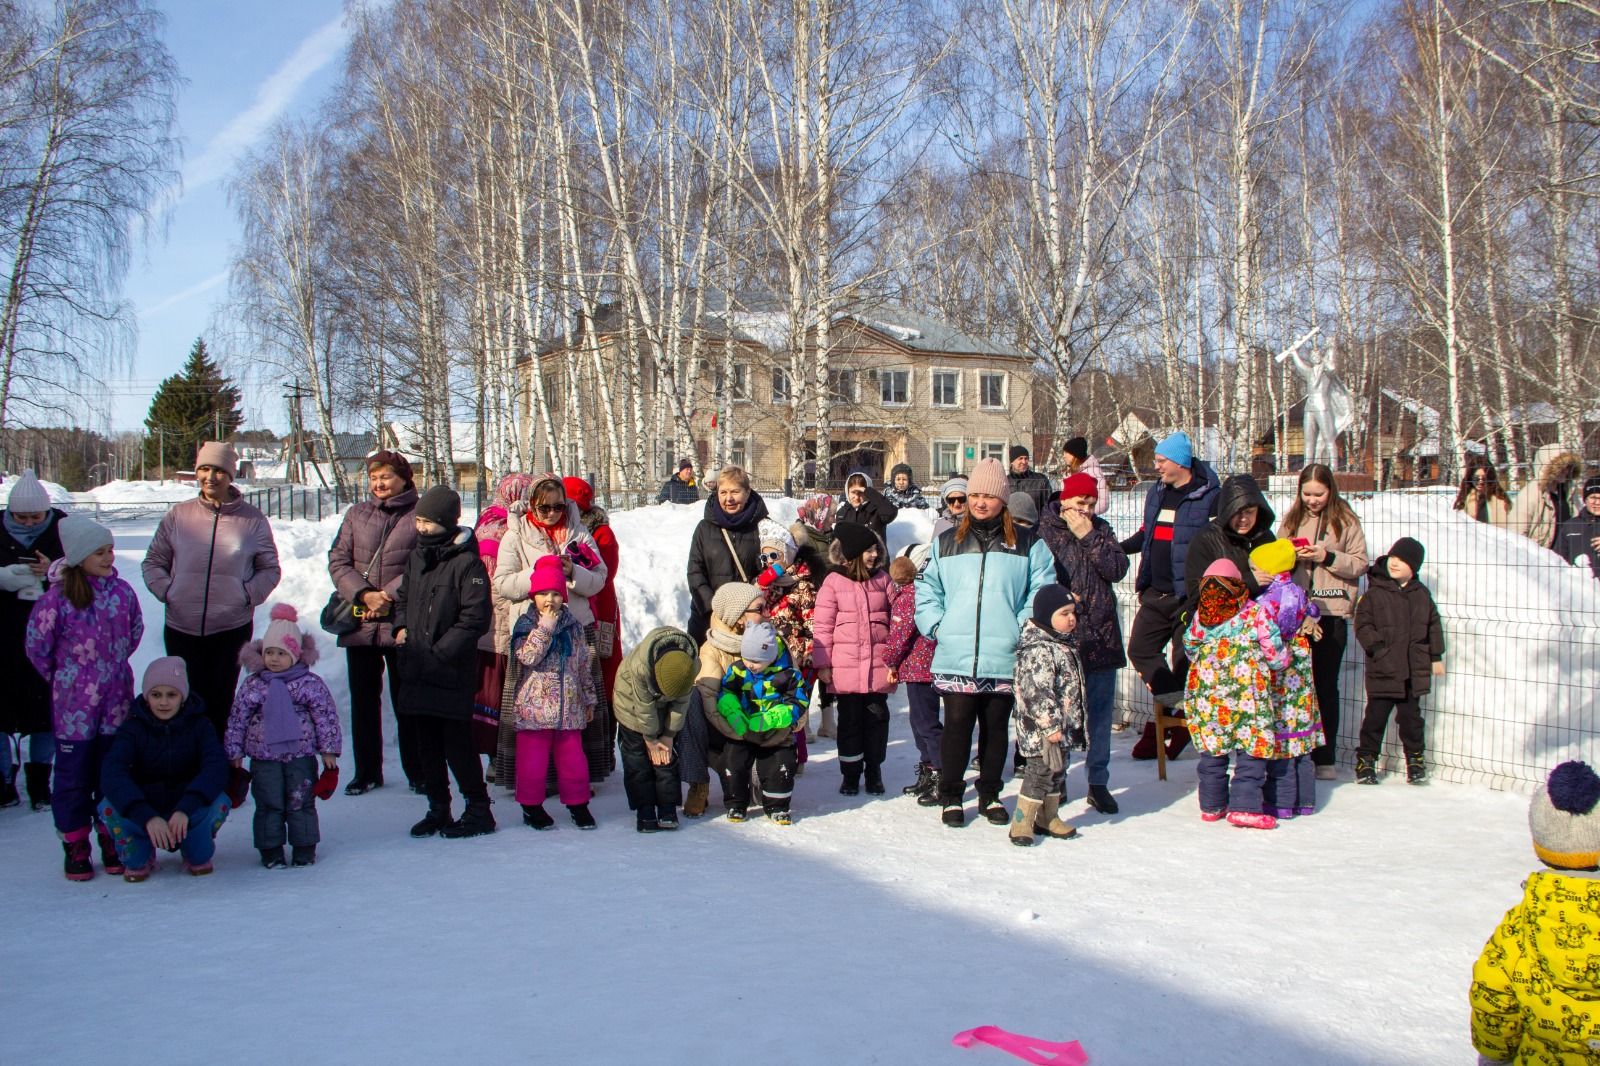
[
  {"x": 741, "y": 381},
  {"x": 894, "y": 387},
  {"x": 991, "y": 390},
  {"x": 780, "y": 386},
  {"x": 946, "y": 458},
  {"x": 946, "y": 388},
  {"x": 842, "y": 386},
  {"x": 993, "y": 449},
  {"x": 739, "y": 453}
]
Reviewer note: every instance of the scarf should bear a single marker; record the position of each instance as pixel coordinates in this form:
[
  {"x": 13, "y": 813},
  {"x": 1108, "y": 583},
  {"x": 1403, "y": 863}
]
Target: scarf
[
  {"x": 1221, "y": 598},
  {"x": 753, "y": 511},
  {"x": 725, "y": 640},
  {"x": 25, "y": 535},
  {"x": 281, "y": 731}
]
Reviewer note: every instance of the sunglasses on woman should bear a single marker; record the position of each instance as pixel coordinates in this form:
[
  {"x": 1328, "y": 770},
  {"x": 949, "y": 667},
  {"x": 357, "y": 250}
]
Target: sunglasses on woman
[
  {"x": 551, "y": 508},
  {"x": 955, "y": 500}
]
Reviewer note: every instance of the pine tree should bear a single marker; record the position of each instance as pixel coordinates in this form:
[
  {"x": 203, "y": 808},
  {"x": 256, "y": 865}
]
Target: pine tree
[{"x": 194, "y": 405}]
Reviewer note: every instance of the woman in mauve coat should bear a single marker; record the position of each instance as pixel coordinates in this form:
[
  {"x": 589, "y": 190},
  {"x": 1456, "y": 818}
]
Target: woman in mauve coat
[{"x": 366, "y": 562}]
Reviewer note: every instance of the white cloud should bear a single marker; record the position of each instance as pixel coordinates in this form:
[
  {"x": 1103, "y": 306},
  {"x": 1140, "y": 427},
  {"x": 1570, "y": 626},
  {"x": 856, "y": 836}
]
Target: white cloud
[
  {"x": 272, "y": 98},
  {"x": 184, "y": 294}
]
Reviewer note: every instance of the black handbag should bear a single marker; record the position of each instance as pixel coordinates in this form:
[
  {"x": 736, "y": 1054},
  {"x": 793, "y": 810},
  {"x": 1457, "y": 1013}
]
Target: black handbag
[{"x": 340, "y": 617}]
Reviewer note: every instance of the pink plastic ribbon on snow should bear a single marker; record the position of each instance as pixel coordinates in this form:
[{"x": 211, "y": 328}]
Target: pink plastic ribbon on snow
[{"x": 1027, "y": 1048}]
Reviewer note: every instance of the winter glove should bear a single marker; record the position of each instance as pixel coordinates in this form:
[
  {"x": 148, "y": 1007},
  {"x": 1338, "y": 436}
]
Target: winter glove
[
  {"x": 769, "y": 575},
  {"x": 238, "y": 786},
  {"x": 327, "y": 781}
]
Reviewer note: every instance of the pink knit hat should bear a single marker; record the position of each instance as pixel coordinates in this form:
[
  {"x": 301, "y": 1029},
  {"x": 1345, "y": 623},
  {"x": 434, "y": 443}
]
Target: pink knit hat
[
  {"x": 220, "y": 455},
  {"x": 548, "y": 576},
  {"x": 988, "y": 478},
  {"x": 283, "y": 632},
  {"x": 1223, "y": 567},
  {"x": 168, "y": 670}
]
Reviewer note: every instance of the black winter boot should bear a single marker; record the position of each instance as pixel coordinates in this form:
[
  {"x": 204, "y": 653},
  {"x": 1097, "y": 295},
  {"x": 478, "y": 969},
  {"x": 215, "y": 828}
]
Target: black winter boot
[
  {"x": 8, "y": 790},
  {"x": 993, "y": 810},
  {"x": 930, "y": 797},
  {"x": 667, "y": 818},
  {"x": 37, "y": 775},
  {"x": 434, "y": 822},
  {"x": 272, "y": 859},
  {"x": 78, "y": 864},
  {"x": 874, "y": 775},
  {"x": 1416, "y": 769},
  {"x": 305, "y": 855},
  {"x": 851, "y": 785},
  {"x": 476, "y": 821},
  {"x": 923, "y": 782},
  {"x": 1366, "y": 770},
  {"x": 647, "y": 822},
  {"x": 1100, "y": 799},
  {"x": 953, "y": 816},
  {"x": 534, "y": 816},
  {"x": 581, "y": 816}
]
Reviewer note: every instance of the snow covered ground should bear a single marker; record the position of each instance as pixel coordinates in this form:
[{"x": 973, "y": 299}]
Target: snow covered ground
[{"x": 866, "y": 933}]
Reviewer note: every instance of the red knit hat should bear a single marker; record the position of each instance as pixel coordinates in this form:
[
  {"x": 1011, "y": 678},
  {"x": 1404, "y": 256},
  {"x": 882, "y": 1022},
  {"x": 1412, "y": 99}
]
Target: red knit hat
[
  {"x": 579, "y": 492},
  {"x": 548, "y": 576},
  {"x": 1080, "y": 485}
]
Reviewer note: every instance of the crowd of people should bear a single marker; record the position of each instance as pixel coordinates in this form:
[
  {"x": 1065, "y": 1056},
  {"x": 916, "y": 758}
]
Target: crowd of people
[{"x": 503, "y": 640}]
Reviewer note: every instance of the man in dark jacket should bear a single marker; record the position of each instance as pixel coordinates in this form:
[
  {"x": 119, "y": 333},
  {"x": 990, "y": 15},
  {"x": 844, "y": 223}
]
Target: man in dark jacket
[
  {"x": 1090, "y": 561},
  {"x": 1579, "y": 538},
  {"x": 440, "y": 611},
  {"x": 902, "y": 490},
  {"x": 680, "y": 487},
  {"x": 866, "y": 506},
  {"x": 1025, "y": 479},
  {"x": 164, "y": 775},
  {"x": 1398, "y": 627},
  {"x": 1176, "y": 509}
]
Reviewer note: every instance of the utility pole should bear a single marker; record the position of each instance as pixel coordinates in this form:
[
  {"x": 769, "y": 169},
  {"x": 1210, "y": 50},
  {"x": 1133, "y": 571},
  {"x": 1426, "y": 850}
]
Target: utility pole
[
  {"x": 293, "y": 395},
  {"x": 161, "y": 457}
]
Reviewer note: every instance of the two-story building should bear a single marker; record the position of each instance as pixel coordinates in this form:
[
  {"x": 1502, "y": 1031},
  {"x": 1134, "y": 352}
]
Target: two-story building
[{"x": 903, "y": 387}]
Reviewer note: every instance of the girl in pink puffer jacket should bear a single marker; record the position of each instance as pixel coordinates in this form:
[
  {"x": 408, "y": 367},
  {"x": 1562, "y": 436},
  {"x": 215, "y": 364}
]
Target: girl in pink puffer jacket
[{"x": 850, "y": 635}]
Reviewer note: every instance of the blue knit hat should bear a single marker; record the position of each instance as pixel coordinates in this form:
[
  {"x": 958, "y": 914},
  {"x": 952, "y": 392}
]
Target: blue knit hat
[{"x": 1177, "y": 448}]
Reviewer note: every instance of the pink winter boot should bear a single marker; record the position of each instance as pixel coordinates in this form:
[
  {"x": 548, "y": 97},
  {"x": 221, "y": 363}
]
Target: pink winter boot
[{"x": 1252, "y": 820}]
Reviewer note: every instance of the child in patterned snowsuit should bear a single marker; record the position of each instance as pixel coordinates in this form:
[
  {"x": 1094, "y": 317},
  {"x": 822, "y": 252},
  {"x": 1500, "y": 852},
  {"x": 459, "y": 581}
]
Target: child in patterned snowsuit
[
  {"x": 1234, "y": 646},
  {"x": 284, "y": 719},
  {"x": 81, "y": 635},
  {"x": 1291, "y": 778},
  {"x": 759, "y": 709},
  {"x": 1050, "y": 713},
  {"x": 1534, "y": 986}
]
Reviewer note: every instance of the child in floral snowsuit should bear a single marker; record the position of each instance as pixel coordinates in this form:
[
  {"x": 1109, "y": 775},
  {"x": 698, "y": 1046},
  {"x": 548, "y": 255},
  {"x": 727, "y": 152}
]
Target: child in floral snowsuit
[
  {"x": 1291, "y": 778},
  {"x": 81, "y": 635},
  {"x": 1234, "y": 646}
]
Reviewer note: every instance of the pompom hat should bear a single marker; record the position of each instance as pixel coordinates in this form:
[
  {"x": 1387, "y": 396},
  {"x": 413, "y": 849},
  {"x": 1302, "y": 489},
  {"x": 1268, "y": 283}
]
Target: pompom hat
[
  {"x": 1564, "y": 818},
  {"x": 283, "y": 632},
  {"x": 1080, "y": 485}
]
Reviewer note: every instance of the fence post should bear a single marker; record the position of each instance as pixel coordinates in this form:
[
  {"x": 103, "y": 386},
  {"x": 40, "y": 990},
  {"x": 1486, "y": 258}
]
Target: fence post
[{"x": 788, "y": 486}]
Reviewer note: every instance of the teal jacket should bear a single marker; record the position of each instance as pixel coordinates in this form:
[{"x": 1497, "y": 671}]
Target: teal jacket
[{"x": 974, "y": 596}]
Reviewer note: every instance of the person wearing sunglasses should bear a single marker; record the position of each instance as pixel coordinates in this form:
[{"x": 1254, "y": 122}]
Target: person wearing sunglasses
[
  {"x": 952, "y": 505},
  {"x": 554, "y": 526},
  {"x": 1481, "y": 496}
]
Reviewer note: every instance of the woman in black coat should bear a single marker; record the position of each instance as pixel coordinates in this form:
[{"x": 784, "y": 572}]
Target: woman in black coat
[
  {"x": 726, "y": 545},
  {"x": 440, "y": 611},
  {"x": 866, "y": 506},
  {"x": 1244, "y": 522},
  {"x": 29, "y": 542}
]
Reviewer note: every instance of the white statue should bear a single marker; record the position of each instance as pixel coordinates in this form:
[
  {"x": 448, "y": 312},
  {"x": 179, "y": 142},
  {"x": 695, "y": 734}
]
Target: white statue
[{"x": 1329, "y": 410}]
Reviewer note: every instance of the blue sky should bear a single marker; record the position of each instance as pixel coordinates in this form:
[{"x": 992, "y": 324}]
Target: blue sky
[{"x": 246, "y": 64}]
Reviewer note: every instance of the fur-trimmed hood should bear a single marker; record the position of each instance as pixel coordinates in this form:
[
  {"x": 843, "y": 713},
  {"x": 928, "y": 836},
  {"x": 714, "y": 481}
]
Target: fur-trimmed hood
[
  {"x": 251, "y": 659},
  {"x": 1552, "y": 461}
]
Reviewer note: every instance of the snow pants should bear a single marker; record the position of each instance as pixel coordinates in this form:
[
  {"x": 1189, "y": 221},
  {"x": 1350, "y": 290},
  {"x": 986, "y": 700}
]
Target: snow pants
[
  {"x": 76, "y": 789},
  {"x": 863, "y": 732},
  {"x": 1243, "y": 794},
  {"x": 774, "y": 768},
  {"x": 1291, "y": 786},
  {"x": 132, "y": 840},
  {"x": 649, "y": 787},
  {"x": 535, "y": 747},
  {"x": 926, "y": 729},
  {"x": 286, "y": 809}
]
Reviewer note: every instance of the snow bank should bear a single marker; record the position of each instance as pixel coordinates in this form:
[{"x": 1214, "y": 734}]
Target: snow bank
[{"x": 58, "y": 494}]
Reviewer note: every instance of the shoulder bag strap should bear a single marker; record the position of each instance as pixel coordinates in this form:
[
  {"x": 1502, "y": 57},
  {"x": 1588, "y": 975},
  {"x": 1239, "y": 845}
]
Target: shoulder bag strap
[{"x": 729, "y": 542}]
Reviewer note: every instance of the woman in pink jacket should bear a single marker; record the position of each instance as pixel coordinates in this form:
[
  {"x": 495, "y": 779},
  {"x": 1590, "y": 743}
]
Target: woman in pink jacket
[
  {"x": 850, "y": 635},
  {"x": 212, "y": 562}
]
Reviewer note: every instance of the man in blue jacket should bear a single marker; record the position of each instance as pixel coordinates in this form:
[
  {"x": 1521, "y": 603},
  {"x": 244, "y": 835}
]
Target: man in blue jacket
[{"x": 1175, "y": 510}]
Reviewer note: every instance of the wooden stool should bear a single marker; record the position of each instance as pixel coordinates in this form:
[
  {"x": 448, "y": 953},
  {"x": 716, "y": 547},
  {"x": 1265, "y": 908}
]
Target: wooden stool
[{"x": 1164, "y": 722}]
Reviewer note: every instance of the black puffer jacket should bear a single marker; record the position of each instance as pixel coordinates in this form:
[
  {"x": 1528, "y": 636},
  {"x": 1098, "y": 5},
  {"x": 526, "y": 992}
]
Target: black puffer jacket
[
  {"x": 1034, "y": 484},
  {"x": 1219, "y": 541},
  {"x": 1090, "y": 567},
  {"x": 155, "y": 768},
  {"x": 1575, "y": 540},
  {"x": 711, "y": 565},
  {"x": 26, "y": 708},
  {"x": 443, "y": 606},
  {"x": 1398, "y": 627},
  {"x": 875, "y": 512}
]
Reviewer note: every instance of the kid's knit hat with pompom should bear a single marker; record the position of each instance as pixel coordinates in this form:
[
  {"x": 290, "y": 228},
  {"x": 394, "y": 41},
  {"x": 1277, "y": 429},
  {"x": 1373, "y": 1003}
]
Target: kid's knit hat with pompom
[
  {"x": 1564, "y": 818},
  {"x": 283, "y": 632}
]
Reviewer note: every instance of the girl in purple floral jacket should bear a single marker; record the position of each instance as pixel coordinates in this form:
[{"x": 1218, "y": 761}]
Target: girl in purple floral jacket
[
  {"x": 81, "y": 635},
  {"x": 284, "y": 719}
]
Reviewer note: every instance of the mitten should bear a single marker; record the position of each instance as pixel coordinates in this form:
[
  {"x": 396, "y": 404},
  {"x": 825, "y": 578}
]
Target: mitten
[
  {"x": 327, "y": 781},
  {"x": 238, "y": 786},
  {"x": 769, "y": 575}
]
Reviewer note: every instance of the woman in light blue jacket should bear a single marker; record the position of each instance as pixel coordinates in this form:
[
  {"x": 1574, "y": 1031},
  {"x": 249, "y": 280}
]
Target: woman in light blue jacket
[{"x": 972, "y": 599}]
